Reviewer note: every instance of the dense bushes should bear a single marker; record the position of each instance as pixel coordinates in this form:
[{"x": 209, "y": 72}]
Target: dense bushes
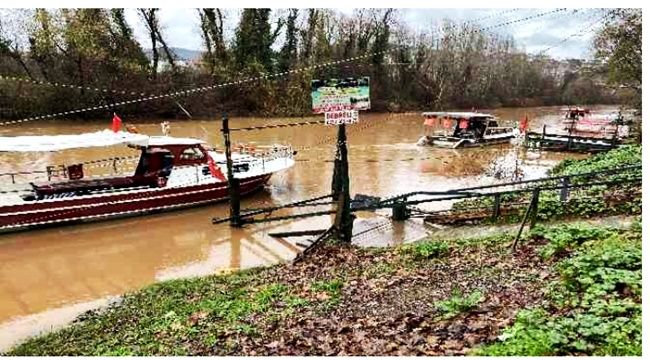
[{"x": 595, "y": 306}]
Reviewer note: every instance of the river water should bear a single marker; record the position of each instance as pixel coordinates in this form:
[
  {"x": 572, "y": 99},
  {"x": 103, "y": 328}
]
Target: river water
[{"x": 49, "y": 276}]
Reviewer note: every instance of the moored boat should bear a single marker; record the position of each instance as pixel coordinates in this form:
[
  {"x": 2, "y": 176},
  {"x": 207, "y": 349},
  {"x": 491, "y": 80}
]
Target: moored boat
[
  {"x": 464, "y": 129},
  {"x": 583, "y": 122},
  {"x": 171, "y": 173}
]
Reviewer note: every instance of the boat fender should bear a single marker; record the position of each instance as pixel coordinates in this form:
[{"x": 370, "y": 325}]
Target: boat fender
[
  {"x": 458, "y": 143},
  {"x": 422, "y": 141}
]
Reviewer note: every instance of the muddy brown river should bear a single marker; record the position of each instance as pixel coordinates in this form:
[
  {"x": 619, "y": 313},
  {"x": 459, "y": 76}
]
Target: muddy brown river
[{"x": 48, "y": 276}]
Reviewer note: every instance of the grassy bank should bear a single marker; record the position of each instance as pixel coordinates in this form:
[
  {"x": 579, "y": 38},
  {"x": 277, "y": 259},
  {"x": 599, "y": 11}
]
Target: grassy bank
[{"x": 569, "y": 289}]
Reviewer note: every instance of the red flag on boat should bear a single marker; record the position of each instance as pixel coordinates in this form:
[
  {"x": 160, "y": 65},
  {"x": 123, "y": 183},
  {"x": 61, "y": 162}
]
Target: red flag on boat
[
  {"x": 117, "y": 123},
  {"x": 214, "y": 169},
  {"x": 523, "y": 124}
]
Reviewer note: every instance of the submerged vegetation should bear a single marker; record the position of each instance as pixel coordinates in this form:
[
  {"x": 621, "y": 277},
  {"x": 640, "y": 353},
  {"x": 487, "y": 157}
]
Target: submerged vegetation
[
  {"x": 567, "y": 290},
  {"x": 624, "y": 198}
]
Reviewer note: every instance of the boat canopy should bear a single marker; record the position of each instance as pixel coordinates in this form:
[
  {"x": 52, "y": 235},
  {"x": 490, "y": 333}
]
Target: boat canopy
[
  {"x": 457, "y": 115},
  {"x": 168, "y": 140},
  {"x": 36, "y": 143}
]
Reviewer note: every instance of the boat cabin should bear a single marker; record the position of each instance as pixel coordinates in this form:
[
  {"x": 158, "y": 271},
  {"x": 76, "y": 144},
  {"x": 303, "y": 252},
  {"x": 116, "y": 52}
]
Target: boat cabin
[
  {"x": 575, "y": 113},
  {"x": 459, "y": 129},
  {"x": 159, "y": 155}
]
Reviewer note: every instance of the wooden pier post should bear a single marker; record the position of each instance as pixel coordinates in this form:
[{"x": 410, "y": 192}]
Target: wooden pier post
[
  {"x": 336, "y": 174},
  {"x": 233, "y": 183},
  {"x": 341, "y": 188}
]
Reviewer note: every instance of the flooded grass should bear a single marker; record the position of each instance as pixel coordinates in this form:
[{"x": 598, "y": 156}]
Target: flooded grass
[{"x": 437, "y": 297}]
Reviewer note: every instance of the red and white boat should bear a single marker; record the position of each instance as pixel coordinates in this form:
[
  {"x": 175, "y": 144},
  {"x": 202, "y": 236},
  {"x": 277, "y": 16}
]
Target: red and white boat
[
  {"x": 581, "y": 121},
  {"x": 171, "y": 173}
]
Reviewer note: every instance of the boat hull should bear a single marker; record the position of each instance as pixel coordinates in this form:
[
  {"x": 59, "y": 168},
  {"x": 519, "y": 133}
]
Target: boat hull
[
  {"x": 454, "y": 143},
  {"x": 124, "y": 204}
]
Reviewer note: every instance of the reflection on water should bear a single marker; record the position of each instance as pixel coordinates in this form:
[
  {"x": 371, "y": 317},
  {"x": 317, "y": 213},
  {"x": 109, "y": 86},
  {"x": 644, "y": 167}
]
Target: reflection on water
[{"x": 55, "y": 268}]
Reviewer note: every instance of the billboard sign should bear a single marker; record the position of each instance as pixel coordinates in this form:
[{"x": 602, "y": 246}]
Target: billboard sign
[{"x": 340, "y": 94}]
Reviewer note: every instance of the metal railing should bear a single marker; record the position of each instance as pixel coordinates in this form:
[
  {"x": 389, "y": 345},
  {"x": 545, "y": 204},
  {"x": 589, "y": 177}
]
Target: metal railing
[{"x": 402, "y": 205}]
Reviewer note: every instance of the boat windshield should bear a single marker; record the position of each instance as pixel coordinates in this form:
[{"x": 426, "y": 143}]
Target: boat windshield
[{"x": 472, "y": 128}]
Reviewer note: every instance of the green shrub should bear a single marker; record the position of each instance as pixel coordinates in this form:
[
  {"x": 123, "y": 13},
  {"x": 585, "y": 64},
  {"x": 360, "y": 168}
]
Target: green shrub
[
  {"x": 621, "y": 156},
  {"x": 595, "y": 306},
  {"x": 564, "y": 238},
  {"x": 424, "y": 250},
  {"x": 458, "y": 303}
]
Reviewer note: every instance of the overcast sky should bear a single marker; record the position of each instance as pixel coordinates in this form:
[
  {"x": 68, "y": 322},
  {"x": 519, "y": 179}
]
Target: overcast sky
[{"x": 181, "y": 26}]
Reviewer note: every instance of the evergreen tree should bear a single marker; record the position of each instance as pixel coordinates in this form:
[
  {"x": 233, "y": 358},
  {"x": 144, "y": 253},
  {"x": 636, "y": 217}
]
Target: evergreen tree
[
  {"x": 289, "y": 52},
  {"x": 254, "y": 38}
]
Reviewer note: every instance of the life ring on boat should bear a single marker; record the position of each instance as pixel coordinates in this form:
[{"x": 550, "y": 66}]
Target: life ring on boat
[{"x": 132, "y": 129}]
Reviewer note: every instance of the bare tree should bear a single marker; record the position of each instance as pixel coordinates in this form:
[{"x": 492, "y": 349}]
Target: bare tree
[{"x": 150, "y": 18}]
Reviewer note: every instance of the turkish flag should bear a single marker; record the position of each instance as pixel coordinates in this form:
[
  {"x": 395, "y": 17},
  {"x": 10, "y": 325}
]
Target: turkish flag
[
  {"x": 117, "y": 123},
  {"x": 214, "y": 169},
  {"x": 523, "y": 124}
]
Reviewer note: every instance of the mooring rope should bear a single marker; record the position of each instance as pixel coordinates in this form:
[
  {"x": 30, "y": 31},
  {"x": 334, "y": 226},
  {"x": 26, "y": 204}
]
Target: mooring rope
[{"x": 262, "y": 127}]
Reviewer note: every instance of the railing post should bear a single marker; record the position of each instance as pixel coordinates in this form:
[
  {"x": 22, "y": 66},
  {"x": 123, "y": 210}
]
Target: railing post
[
  {"x": 564, "y": 192},
  {"x": 523, "y": 222},
  {"x": 400, "y": 210},
  {"x": 233, "y": 183},
  {"x": 571, "y": 130},
  {"x": 534, "y": 207},
  {"x": 541, "y": 141},
  {"x": 614, "y": 137},
  {"x": 13, "y": 178},
  {"x": 497, "y": 207}
]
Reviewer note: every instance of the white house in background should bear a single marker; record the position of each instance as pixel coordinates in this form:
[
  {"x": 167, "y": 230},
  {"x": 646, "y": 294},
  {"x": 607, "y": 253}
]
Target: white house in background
[{"x": 184, "y": 58}]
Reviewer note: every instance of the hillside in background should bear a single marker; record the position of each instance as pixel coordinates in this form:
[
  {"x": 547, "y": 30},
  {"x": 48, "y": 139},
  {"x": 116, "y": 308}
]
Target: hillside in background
[{"x": 187, "y": 55}]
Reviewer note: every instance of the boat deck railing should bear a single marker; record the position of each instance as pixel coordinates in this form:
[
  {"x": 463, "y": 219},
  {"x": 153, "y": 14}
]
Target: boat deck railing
[
  {"x": 257, "y": 157},
  {"x": 99, "y": 167}
]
